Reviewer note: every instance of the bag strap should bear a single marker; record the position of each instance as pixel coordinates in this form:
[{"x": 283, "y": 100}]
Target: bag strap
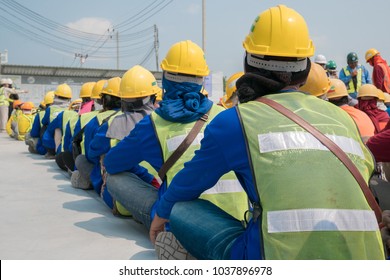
[
  {"x": 336, "y": 150},
  {"x": 183, "y": 146}
]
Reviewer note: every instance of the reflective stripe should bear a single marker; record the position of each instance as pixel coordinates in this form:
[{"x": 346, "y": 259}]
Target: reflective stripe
[
  {"x": 174, "y": 142},
  {"x": 321, "y": 220},
  {"x": 225, "y": 186},
  {"x": 279, "y": 141}
]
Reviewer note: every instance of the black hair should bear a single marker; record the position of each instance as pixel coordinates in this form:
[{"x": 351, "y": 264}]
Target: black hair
[{"x": 110, "y": 102}]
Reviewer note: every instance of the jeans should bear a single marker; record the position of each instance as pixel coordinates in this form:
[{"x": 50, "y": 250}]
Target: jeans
[
  {"x": 206, "y": 231},
  {"x": 134, "y": 194},
  {"x": 84, "y": 167}
]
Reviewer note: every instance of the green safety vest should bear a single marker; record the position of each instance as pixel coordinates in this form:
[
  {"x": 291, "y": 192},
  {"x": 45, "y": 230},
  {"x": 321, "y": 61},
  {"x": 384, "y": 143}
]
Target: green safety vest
[
  {"x": 68, "y": 115},
  {"x": 312, "y": 207},
  {"x": 350, "y": 86},
  {"x": 227, "y": 194},
  {"x": 54, "y": 111},
  {"x": 114, "y": 142},
  {"x": 3, "y": 98},
  {"x": 84, "y": 120}
]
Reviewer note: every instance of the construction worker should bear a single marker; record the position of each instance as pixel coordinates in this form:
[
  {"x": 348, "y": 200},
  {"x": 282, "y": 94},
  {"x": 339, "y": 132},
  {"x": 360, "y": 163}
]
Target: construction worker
[
  {"x": 321, "y": 60},
  {"x": 317, "y": 83},
  {"x": 271, "y": 155},
  {"x": 380, "y": 70},
  {"x": 62, "y": 99},
  {"x": 354, "y": 76},
  {"x": 86, "y": 106},
  {"x": 34, "y": 138},
  {"x": 138, "y": 89},
  {"x": 338, "y": 95},
  {"x": 6, "y": 91},
  {"x": 331, "y": 69},
  {"x": 367, "y": 102},
  {"x": 88, "y": 174},
  {"x": 230, "y": 98},
  {"x": 12, "y": 124},
  {"x": 155, "y": 138},
  {"x": 24, "y": 120}
]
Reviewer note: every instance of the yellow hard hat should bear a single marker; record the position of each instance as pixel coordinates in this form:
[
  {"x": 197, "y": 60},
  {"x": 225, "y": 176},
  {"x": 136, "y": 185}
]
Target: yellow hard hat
[
  {"x": 49, "y": 98},
  {"x": 204, "y": 91},
  {"x": 317, "y": 82},
  {"x": 16, "y": 103},
  {"x": 387, "y": 97},
  {"x": 367, "y": 90},
  {"x": 63, "y": 90},
  {"x": 97, "y": 89},
  {"x": 231, "y": 84},
  {"x": 139, "y": 82},
  {"x": 75, "y": 105},
  {"x": 186, "y": 57},
  {"x": 86, "y": 89},
  {"x": 111, "y": 87},
  {"x": 381, "y": 95},
  {"x": 279, "y": 31},
  {"x": 42, "y": 104},
  {"x": 370, "y": 54},
  {"x": 159, "y": 96},
  {"x": 337, "y": 89}
]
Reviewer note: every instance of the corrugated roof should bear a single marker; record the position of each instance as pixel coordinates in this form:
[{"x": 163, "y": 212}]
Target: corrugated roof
[{"x": 28, "y": 70}]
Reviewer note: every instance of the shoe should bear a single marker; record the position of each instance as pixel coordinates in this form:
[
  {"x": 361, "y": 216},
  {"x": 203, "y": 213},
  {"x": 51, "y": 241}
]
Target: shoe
[
  {"x": 50, "y": 156},
  {"x": 79, "y": 182},
  {"x": 169, "y": 248}
]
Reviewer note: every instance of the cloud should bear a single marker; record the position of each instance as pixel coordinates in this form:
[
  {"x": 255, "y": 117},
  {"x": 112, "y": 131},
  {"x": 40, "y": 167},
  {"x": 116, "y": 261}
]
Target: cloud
[{"x": 91, "y": 25}]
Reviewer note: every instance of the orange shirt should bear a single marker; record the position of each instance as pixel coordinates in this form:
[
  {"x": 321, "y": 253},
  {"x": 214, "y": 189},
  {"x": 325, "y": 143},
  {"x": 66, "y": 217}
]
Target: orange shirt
[{"x": 362, "y": 120}]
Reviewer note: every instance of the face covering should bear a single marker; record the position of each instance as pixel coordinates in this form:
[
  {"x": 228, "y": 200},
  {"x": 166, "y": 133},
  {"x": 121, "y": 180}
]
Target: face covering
[{"x": 182, "y": 102}]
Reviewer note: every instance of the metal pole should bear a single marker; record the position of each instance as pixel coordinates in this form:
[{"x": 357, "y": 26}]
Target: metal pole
[
  {"x": 156, "y": 45},
  {"x": 117, "y": 50},
  {"x": 204, "y": 25}
]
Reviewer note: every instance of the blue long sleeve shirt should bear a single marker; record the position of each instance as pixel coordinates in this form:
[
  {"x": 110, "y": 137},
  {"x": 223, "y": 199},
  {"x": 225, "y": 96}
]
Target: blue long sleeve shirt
[
  {"x": 101, "y": 145},
  {"x": 222, "y": 150},
  {"x": 48, "y": 136},
  {"x": 366, "y": 79},
  {"x": 35, "y": 132}
]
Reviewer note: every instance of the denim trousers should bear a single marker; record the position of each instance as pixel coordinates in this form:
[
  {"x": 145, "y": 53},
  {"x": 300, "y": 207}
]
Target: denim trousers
[
  {"x": 134, "y": 194},
  {"x": 206, "y": 231},
  {"x": 84, "y": 167}
]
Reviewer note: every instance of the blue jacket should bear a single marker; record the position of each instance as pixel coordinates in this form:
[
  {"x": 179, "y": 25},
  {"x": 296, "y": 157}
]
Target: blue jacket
[
  {"x": 35, "y": 132},
  {"x": 366, "y": 79},
  {"x": 48, "y": 136},
  {"x": 100, "y": 145}
]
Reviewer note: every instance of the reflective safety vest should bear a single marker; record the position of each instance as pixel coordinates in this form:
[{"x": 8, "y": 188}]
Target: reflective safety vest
[
  {"x": 68, "y": 115},
  {"x": 3, "y": 98},
  {"x": 350, "y": 87},
  {"x": 84, "y": 119},
  {"x": 12, "y": 124},
  {"x": 25, "y": 122},
  {"x": 227, "y": 194},
  {"x": 54, "y": 111},
  {"x": 386, "y": 78},
  {"x": 312, "y": 207},
  {"x": 122, "y": 124}
]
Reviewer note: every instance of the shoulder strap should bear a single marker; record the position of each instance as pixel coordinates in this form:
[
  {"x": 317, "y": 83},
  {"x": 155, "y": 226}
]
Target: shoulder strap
[
  {"x": 336, "y": 150},
  {"x": 183, "y": 146}
]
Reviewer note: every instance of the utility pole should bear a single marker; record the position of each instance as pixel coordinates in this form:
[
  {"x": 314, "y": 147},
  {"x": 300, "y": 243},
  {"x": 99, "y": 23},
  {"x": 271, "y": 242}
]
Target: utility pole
[
  {"x": 204, "y": 26},
  {"x": 117, "y": 50},
  {"x": 156, "y": 45}
]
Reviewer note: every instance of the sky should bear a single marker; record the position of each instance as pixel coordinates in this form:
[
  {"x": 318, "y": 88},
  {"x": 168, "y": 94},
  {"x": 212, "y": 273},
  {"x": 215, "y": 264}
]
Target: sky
[{"x": 336, "y": 28}]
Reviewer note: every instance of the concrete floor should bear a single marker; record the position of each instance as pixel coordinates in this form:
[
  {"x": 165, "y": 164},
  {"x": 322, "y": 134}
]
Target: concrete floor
[{"x": 43, "y": 217}]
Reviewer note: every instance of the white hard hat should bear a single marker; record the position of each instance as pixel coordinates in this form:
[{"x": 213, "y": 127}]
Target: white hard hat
[
  {"x": 10, "y": 81},
  {"x": 320, "y": 59},
  {"x": 4, "y": 81}
]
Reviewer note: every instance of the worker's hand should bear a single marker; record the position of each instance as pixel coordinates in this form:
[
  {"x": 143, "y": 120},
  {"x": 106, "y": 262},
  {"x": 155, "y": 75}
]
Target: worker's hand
[
  {"x": 354, "y": 73},
  {"x": 25, "y": 91},
  {"x": 156, "y": 227},
  {"x": 386, "y": 229}
]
